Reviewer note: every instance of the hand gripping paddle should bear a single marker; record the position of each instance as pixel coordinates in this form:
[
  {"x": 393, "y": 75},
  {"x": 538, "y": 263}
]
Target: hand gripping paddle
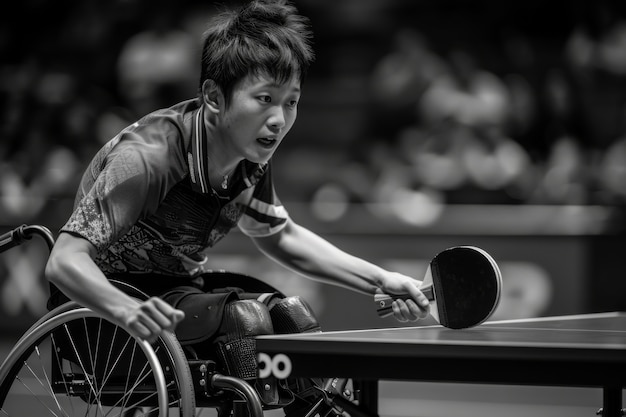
[{"x": 463, "y": 285}]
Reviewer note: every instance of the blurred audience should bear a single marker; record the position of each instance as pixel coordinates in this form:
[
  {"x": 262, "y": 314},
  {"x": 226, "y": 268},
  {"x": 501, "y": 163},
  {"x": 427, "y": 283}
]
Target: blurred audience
[
  {"x": 540, "y": 123},
  {"x": 157, "y": 67}
]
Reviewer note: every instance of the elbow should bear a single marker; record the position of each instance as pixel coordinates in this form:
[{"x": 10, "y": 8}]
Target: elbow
[
  {"x": 53, "y": 270},
  {"x": 272, "y": 246},
  {"x": 66, "y": 259},
  {"x": 59, "y": 267}
]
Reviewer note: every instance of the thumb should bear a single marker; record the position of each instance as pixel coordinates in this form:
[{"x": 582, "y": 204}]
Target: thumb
[
  {"x": 178, "y": 316},
  {"x": 175, "y": 316}
]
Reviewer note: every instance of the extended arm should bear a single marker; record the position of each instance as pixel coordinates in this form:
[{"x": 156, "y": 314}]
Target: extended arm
[{"x": 305, "y": 252}]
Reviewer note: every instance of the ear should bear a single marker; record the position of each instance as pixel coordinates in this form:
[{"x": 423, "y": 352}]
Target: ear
[{"x": 212, "y": 96}]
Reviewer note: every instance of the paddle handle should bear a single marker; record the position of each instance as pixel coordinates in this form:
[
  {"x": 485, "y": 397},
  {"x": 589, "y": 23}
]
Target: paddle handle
[{"x": 384, "y": 301}]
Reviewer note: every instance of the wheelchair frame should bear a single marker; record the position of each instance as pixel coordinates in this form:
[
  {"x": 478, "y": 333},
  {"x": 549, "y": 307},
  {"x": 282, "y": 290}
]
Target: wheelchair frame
[
  {"x": 197, "y": 380},
  {"x": 174, "y": 380}
]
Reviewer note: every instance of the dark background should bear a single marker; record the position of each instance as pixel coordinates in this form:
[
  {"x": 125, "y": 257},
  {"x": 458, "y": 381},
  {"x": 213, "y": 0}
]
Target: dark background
[{"x": 423, "y": 124}]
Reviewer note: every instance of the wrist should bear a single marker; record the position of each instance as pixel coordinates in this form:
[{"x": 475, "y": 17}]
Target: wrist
[{"x": 379, "y": 281}]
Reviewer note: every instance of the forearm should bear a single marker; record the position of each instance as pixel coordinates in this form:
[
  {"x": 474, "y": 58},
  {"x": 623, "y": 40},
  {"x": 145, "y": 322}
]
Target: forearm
[
  {"x": 79, "y": 278},
  {"x": 72, "y": 269},
  {"x": 310, "y": 255}
]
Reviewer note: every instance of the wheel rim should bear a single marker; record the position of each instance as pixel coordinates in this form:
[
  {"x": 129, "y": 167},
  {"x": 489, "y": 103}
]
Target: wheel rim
[{"x": 65, "y": 367}]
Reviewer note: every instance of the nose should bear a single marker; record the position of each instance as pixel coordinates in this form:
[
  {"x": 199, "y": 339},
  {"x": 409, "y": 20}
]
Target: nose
[{"x": 276, "y": 120}]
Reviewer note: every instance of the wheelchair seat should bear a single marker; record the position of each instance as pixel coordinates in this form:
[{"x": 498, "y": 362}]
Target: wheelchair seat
[{"x": 74, "y": 362}]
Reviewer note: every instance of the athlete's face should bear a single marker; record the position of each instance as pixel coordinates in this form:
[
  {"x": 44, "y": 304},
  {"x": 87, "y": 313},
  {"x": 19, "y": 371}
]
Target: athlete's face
[{"x": 260, "y": 114}]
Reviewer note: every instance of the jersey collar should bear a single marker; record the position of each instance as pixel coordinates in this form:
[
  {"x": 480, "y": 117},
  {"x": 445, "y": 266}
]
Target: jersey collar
[{"x": 197, "y": 158}]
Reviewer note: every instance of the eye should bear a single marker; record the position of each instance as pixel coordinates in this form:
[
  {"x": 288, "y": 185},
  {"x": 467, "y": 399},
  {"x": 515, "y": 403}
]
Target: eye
[
  {"x": 293, "y": 103},
  {"x": 265, "y": 98}
]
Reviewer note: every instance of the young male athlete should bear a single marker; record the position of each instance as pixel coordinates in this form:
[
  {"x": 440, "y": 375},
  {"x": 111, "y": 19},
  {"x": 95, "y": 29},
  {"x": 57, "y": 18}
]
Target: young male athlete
[{"x": 167, "y": 188}]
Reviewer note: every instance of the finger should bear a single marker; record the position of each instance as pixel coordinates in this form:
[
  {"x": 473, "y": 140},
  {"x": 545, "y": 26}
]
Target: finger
[
  {"x": 176, "y": 317},
  {"x": 410, "y": 311},
  {"x": 406, "y": 310},
  {"x": 173, "y": 314},
  {"x": 161, "y": 305},
  {"x": 419, "y": 297},
  {"x": 140, "y": 331},
  {"x": 397, "y": 311},
  {"x": 153, "y": 309},
  {"x": 146, "y": 319},
  {"x": 416, "y": 311}
]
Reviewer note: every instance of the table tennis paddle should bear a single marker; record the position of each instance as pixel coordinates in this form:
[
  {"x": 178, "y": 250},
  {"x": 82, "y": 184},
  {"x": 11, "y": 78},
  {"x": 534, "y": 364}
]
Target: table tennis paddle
[{"x": 463, "y": 285}]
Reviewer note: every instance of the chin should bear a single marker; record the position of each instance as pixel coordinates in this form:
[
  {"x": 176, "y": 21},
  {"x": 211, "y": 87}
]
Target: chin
[{"x": 260, "y": 158}]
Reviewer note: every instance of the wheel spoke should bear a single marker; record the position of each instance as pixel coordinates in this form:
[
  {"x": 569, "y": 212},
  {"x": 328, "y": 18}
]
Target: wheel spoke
[
  {"x": 47, "y": 386},
  {"x": 56, "y": 370},
  {"x": 37, "y": 397},
  {"x": 55, "y": 354},
  {"x": 80, "y": 363}
]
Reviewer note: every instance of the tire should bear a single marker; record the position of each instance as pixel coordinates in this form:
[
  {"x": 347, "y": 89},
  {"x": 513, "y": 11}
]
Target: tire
[{"x": 73, "y": 362}]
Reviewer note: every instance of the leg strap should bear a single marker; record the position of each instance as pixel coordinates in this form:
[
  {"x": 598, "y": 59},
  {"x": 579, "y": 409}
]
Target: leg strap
[{"x": 242, "y": 321}]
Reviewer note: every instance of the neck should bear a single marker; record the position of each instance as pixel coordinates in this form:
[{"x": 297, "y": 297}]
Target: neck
[
  {"x": 219, "y": 165},
  {"x": 222, "y": 162}
]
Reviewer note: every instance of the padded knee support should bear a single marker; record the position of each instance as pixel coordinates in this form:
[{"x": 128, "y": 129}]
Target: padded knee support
[
  {"x": 293, "y": 315},
  {"x": 236, "y": 347}
]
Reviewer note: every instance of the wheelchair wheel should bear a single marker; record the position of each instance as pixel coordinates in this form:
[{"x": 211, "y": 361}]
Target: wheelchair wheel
[{"x": 73, "y": 362}]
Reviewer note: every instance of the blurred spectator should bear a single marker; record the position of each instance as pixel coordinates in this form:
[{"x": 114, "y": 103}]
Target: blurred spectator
[
  {"x": 611, "y": 169},
  {"x": 595, "y": 52},
  {"x": 399, "y": 79},
  {"x": 565, "y": 175},
  {"x": 542, "y": 123},
  {"x": 156, "y": 67}
]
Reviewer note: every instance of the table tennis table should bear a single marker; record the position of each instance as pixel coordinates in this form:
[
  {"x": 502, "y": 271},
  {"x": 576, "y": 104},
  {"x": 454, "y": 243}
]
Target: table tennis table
[{"x": 587, "y": 350}]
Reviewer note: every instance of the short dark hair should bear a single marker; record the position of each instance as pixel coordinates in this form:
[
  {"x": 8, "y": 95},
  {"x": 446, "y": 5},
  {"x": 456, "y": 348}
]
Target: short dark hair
[{"x": 263, "y": 37}]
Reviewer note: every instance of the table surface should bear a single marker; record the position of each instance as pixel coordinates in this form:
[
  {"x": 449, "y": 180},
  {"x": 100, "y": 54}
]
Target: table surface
[{"x": 576, "y": 350}]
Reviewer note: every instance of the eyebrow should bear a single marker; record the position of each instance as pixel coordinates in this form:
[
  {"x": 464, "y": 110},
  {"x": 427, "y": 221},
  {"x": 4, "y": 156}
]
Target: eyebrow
[{"x": 274, "y": 84}]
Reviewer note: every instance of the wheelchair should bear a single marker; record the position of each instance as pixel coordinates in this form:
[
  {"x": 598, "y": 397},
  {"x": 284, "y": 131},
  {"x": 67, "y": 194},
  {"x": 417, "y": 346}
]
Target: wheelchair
[{"x": 74, "y": 362}]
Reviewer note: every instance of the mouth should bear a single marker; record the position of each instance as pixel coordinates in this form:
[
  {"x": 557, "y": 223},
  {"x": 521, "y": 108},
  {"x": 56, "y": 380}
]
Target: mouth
[{"x": 267, "y": 142}]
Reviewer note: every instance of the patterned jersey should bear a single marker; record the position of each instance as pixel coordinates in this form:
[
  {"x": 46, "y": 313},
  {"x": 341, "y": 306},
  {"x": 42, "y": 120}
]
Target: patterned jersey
[{"x": 146, "y": 204}]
